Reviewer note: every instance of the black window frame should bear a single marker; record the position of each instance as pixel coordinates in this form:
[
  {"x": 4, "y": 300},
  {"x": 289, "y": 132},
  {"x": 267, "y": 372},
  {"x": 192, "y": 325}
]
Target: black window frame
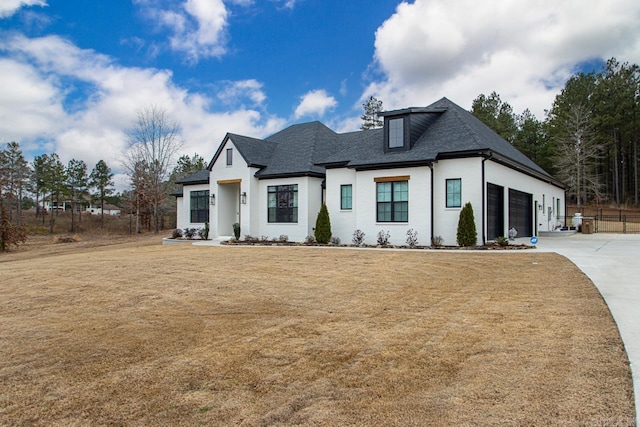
[
  {"x": 343, "y": 199},
  {"x": 199, "y": 206},
  {"x": 394, "y": 205},
  {"x": 403, "y": 133},
  {"x": 453, "y": 206},
  {"x": 285, "y": 201},
  {"x": 229, "y": 156}
]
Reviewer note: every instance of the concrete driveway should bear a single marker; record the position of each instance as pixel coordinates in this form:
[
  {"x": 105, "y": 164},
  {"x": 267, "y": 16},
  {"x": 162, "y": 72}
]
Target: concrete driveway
[{"x": 612, "y": 262}]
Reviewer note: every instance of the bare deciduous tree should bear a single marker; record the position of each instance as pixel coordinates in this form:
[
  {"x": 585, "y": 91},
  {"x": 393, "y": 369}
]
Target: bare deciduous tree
[
  {"x": 154, "y": 141},
  {"x": 576, "y": 155}
]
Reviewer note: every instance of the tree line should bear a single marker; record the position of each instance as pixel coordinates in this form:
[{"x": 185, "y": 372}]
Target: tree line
[
  {"x": 48, "y": 180},
  {"x": 153, "y": 144},
  {"x": 589, "y": 137}
]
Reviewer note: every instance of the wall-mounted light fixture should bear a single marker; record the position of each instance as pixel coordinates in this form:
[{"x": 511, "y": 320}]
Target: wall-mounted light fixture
[
  {"x": 243, "y": 198},
  {"x": 212, "y": 199}
]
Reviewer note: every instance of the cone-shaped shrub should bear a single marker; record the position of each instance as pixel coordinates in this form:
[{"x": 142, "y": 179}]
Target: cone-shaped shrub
[
  {"x": 467, "y": 235},
  {"x": 323, "y": 225}
]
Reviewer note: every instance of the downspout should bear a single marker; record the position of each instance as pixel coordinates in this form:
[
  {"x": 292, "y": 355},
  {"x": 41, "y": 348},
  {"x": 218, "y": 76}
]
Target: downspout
[
  {"x": 432, "y": 213},
  {"x": 484, "y": 203}
]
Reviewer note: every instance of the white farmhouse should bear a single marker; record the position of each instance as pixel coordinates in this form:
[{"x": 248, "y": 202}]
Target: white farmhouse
[{"x": 417, "y": 172}]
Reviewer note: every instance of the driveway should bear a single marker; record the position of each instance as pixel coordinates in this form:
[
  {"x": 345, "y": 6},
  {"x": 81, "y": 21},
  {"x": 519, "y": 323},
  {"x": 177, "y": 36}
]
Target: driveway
[{"x": 612, "y": 262}]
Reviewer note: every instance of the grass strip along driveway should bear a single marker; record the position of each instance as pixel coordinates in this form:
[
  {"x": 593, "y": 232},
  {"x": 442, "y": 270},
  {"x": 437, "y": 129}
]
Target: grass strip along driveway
[{"x": 141, "y": 334}]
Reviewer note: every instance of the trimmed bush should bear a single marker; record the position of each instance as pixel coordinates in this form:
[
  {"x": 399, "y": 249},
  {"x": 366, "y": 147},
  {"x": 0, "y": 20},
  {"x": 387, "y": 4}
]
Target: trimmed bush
[
  {"x": 467, "y": 234},
  {"x": 205, "y": 231},
  {"x": 236, "y": 230},
  {"x": 358, "y": 237},
  {"x": 323, "y": 225},
  {"x": 412, "y": 237},
  {"x": 383, "y": 237}
]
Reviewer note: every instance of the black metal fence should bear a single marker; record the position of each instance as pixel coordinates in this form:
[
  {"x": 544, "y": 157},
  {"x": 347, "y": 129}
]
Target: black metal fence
[{"x": 618, "y": 223}]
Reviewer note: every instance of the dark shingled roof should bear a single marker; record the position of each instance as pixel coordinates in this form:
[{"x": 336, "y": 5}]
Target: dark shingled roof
[
  {"x": 451, "y": 130},
  {"x": 442, "y": 130},
  {"x": 200, "y": 177},
  {"x": 256, "y": 152},
  {"x": 298, "y": 150}
]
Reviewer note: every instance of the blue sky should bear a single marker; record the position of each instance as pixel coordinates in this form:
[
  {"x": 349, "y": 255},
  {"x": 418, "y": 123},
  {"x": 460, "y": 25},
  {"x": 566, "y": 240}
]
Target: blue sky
[{"x": 74, "y": 71}]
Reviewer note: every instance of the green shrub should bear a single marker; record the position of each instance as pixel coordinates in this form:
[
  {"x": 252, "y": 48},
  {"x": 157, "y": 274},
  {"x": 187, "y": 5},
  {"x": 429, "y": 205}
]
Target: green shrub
[
  {"x": 502, "y": 241},
  {"x": 205, "y": 231},
  {"x": 467, "y": 235},
  {"x": 323, "y": 225},
  {"x": 236, "y": 230}
]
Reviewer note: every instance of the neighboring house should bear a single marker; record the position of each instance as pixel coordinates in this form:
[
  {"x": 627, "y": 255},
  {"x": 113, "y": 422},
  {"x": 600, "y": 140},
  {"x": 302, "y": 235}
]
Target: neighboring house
[
  {"x": 47, "y": 205},
  {"x": 109, "y": 209},
  {"x": 417, "y": 172}
]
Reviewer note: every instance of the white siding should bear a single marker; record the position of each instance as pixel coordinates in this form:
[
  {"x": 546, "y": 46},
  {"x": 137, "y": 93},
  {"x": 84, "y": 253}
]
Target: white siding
[
  {"x": 363, "y": 215},
  {"x": 343, "y": 222},
  {"x": 445, "y": 222},
  {"x": 228, "y": 209},
  {"x": 544, "y": 194},
  {"x": 183, "y": 206},
  {"x": 309, "y": 203}
]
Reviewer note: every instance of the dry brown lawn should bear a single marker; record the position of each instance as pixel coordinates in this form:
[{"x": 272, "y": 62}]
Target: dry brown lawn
[{"x": 130, "y": 332}]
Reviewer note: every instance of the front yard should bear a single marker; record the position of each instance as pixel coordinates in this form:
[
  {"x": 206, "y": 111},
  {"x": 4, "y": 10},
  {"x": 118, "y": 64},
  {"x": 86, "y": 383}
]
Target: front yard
[{"x": 144, "y": 334}]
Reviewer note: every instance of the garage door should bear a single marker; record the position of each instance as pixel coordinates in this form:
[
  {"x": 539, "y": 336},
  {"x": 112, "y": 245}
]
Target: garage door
[
  {"x": 495, "y": 211},
  {"x": 520, "y": 212}
]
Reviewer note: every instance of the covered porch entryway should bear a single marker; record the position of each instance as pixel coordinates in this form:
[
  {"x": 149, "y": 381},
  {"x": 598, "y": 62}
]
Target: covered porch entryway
[{"x": 228, "y": 209}]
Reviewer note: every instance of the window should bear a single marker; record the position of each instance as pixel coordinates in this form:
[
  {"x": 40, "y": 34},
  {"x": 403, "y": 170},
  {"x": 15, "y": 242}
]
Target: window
[
  {"x": 229, "y": 156},
  {"x": 396, "y": 133},
  {"x": 392, "y": 201},
  {"x": 283, "y": 203},
  {"x": 345, "y": 196},
  {"x": 200, "y": 206},
  {"x": 454, "y": 193}
]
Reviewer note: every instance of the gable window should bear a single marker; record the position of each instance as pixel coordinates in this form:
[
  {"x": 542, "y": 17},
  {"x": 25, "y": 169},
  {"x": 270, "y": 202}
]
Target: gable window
[
  {"x": 346, "y": 196},
  {"x": 454, "y": 193},
  {"x": 392, "y": 201},
  {"x": 229, "y": 156},
  {"x": 396, "y": 133},
  {"x": 199, "y": 206},
  {"x": 282, "y": 203}
]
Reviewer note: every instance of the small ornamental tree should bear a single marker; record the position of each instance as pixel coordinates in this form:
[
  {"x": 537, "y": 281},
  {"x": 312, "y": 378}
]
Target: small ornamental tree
[
  {"x": 467, "y": 235},
  {"x": 323, "y": 225}
]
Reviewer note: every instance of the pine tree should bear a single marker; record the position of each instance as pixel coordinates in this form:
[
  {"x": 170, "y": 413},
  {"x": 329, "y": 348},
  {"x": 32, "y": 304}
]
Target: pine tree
[
  {"x": 101, "y": 180},
  {"x": 323, "y": 225},
  {"x": 371, "y": 118},
  {"x": 467, "y": 235}
]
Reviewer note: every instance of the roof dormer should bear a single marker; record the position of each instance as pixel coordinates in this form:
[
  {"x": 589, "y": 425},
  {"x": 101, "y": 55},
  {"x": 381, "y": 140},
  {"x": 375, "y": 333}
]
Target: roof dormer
[{"x": 402, "y": 128}]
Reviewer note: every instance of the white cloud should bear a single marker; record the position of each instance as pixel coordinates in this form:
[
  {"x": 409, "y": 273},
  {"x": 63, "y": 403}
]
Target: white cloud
[
  {"x": 232, "y": 92},
  {"x": 289, "y": 4},
  {"x": 43, "y": 77},
  {"x": 525, "y": 51},
  {"x": 198, "y": 26},
  {"x": 9, "y": 7},
  {"x": 315, "y": 103}
]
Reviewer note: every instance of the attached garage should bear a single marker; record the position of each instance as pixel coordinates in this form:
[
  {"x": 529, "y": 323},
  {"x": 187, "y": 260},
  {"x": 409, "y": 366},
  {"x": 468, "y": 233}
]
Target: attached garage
[
  {"x": 521, "y": 212},
  {"x": 495, "y": 211}
]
